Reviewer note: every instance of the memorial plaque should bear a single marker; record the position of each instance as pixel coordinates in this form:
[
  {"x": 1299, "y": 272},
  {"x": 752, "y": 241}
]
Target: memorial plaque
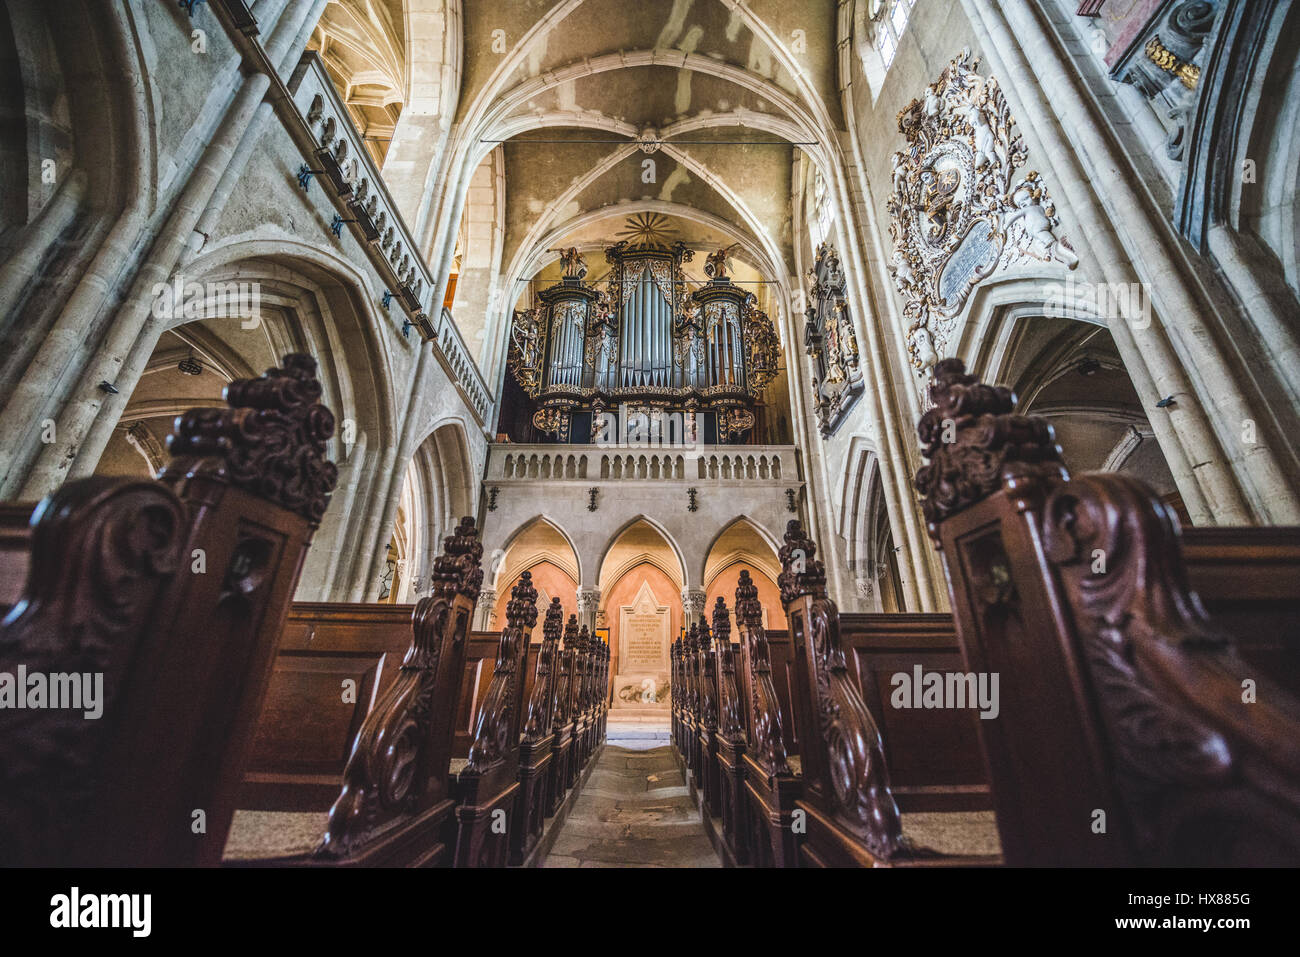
[{"x": 644, "y": 629}]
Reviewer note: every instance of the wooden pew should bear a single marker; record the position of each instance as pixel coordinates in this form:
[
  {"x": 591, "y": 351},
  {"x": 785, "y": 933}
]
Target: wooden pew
[
  {"x": 396, "y": 806},
  {"x": 731, "y": 744},
  {"x": 771, "y": 783},
  {"x": 310, "y": 717},
  {"x": 563, "y": 748},
  {"x": 175, "y": 591},
  {"x": 536, "y": 747},
  {"x": 1130, "y": 731},
  {"x": 488, "y": 785},
  {"x": 846, "y": 803},
  {"x": 934, "y": 757},
  {"x": 706, "y": 745}
]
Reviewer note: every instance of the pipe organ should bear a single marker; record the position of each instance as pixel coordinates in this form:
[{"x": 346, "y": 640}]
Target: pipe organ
[{"x": 642, "y": 340}]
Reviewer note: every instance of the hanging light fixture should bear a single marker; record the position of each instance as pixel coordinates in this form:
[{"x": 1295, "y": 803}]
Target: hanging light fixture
[{"x": 190, "y": 365}]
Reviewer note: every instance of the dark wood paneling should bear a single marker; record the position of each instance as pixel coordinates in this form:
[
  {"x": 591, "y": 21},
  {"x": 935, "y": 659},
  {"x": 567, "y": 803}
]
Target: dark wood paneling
[{"x": 933, "y": 755}]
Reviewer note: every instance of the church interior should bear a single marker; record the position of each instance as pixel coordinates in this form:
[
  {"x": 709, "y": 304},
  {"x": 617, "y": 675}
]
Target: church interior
[{"x": 684, "y": 433}]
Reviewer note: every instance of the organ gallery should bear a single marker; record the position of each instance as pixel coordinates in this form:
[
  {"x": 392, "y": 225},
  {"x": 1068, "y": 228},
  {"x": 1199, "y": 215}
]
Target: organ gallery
[{"x": 644, "y": 337}]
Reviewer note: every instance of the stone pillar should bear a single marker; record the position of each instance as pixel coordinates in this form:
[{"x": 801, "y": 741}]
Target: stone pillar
[
  {"x": 693, "y": 600},
  {"x": 588, "y": 603},
  {"x": 485, "y": 612}
]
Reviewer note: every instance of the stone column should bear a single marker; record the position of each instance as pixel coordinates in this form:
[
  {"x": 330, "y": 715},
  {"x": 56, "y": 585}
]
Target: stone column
[
  {"x": 588, "y": 603},
  {"x": 693, "y": 601},
  {"x": 485, "y": 612}
]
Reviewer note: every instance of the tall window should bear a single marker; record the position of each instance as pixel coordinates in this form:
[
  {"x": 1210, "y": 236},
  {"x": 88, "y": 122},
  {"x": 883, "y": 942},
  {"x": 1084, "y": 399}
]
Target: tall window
[{"x": 890, "y": 23}]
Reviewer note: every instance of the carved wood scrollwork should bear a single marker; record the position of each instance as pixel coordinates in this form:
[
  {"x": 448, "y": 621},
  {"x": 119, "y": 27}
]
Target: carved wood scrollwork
[
  {"x": 563, "y": 713},
  {"x": 271, "y": 441},
  {"x": 768, "y": 746},
  {"x": 541, "y": 702},
  {"x": 975, "y": 444},
  {"x": 496, "y": 717},
  {"x": 390, "y": 773},
  {"x": 855, "y": 761},
  {"x": 706, "y": 663},
  {"x": 1187, "y": 748},
  {"x": 731, "y": 725},
  {"x": 103, "y": 551}
]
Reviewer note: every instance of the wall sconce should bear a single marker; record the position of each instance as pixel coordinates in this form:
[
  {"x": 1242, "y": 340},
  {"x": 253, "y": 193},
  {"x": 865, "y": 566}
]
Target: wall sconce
[
  {"x": 492, "y": 498},
  {"x": 305, "y": 173},
  {"x": 591, "y": 498},
  {"x": 108, "y": 387},
  {"x": 692, "y": 505},
  {"x": 790, "y": 505}
]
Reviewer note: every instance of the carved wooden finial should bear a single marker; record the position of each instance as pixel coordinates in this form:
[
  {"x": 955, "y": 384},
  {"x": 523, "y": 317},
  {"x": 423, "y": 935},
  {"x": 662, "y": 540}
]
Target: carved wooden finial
[
  {"x": 706, "y": 636},
  {"x": 521, "y": 610},
  {"x": 270, "y": 440},
  {"x": 458, "y": 570},
  {"x": 722, "y": 620},
  {"x": 801, "y": 573},
  {"x": 974, "y": 443},
  {"x": 748, "y": 610},
  {"x": 554, "y": 622}
]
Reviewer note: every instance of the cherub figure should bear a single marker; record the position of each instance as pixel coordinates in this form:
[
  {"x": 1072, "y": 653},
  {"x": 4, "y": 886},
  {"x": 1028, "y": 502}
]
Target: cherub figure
[
  {"x": 922, "y": 347},
  {"x": 1038, "y": 224},
  {"x": 904, "y": 276},
  {"x": 574, "y": 266},
  {"x": 986, "y": 149},
  {"x": 715, "y": 264}
]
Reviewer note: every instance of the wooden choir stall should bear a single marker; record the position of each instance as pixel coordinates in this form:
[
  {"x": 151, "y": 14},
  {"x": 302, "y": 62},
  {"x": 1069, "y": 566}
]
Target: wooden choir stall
[{"x": 236, "y": 727}]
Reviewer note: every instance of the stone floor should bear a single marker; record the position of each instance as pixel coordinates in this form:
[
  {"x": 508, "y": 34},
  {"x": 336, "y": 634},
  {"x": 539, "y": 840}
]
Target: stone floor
[{"x": 634, "y": 811}]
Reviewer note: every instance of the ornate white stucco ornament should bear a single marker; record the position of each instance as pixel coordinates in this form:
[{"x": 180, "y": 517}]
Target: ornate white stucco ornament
[
  {"x": 649, "y": 141},
  {"x": 956, "y": 215}
]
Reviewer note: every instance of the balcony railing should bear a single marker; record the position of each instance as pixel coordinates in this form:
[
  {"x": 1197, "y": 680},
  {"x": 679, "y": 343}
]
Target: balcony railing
[
  {"x": 750, "y": 464},
  {"x": 349, "y": 173}
]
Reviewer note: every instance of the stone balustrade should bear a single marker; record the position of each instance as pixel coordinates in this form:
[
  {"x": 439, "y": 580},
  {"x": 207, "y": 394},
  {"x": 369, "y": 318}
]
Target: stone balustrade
[{"x": 705, "y": 463}]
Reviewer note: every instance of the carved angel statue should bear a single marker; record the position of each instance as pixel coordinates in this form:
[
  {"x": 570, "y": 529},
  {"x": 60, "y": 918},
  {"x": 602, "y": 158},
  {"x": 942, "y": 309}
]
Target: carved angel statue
[
  {"x": 1038, "y": 224},
  {"x": 848, "y": 340},
  {"x": 921, "y": 345},
  {"x": 986, "y": 141},
  {"x": 574, "y": 266},
  {"x": 715, "y": 264},
  {"x": 904, "y": 276},
  {"x": 834, "y": 355},
  {"x": 526, "y": 333},
  {"x": 933, "y": 102}
]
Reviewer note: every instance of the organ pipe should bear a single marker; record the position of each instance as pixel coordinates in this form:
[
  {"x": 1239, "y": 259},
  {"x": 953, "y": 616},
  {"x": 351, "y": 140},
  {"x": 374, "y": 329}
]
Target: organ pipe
[{"x": 686, "y": 349}]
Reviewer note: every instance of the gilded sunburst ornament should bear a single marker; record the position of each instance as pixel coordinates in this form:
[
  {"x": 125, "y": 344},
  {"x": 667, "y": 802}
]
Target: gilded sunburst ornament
[{"x": 648, "y": 229}]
